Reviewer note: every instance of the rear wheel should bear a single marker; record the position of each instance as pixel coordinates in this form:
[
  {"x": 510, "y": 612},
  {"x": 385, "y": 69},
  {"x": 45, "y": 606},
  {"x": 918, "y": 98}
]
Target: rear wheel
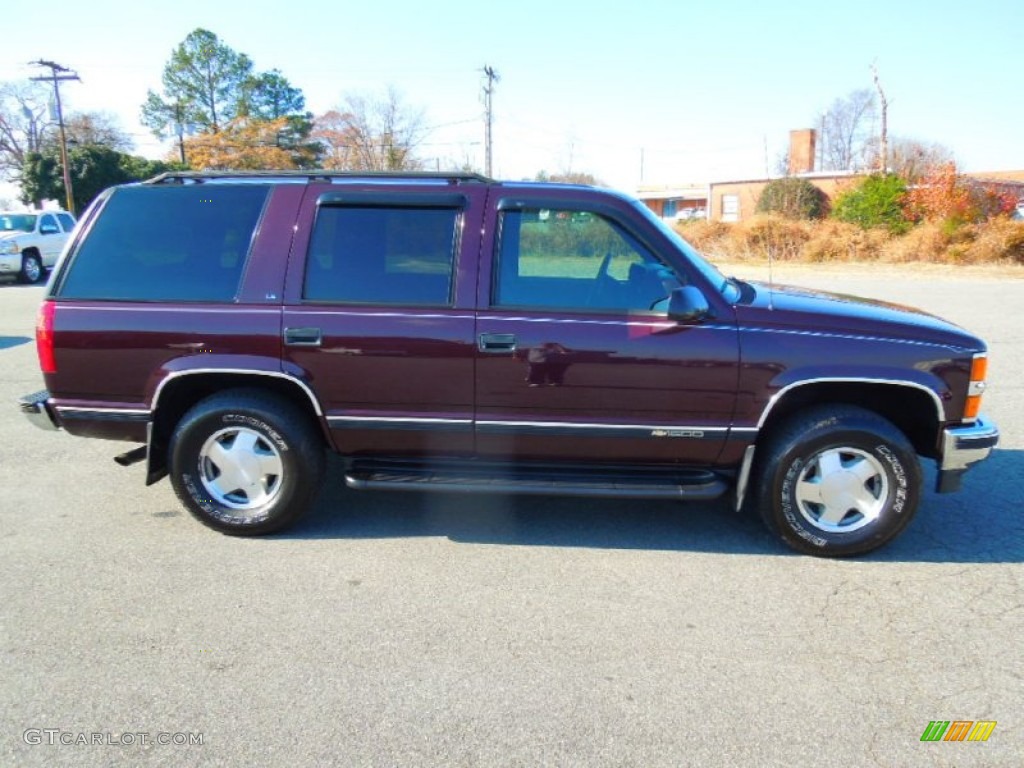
[
  {"x": 31, "y": 269},
  {"x": 837, "y": 481},
  {"x": 246, "y": 462}
]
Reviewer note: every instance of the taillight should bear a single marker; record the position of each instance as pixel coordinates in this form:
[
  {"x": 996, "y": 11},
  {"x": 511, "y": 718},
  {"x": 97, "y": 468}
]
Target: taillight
[
  {"x": 979, "y": 369},
  {"x": 44, "y": 337}
]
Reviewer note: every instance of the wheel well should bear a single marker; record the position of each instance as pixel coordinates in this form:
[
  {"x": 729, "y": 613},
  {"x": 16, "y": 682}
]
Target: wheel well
[
  {"x": 182, "y": 392},
  {"x": 911, "y": 410},
  {"x": 32, "y": 251}
]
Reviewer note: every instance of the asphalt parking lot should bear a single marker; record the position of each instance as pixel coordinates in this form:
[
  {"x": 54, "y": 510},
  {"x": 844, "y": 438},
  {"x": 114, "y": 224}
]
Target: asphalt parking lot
[{"x": 405, "y": 629}]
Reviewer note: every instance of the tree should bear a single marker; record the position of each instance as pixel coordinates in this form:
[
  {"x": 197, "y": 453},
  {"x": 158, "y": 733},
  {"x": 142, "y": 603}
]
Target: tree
[
  {"x": 94, "y": 167},
  {"x": 204, "y": 84},
  {"x": 877, "y": 201},
  {"x": 24, "y": 124},
  {"x": 243, "y": 144},
  {"x": 574, "y": 177},
  {"x": 945, "y": 195},
  {"x": 270, "y": 97},
  {"x": 210, "y": 88},
  {"x": 793, "y": 198},
  {"x": 370, "y": 133},
  {"x": 331, "y": 132},
  {"x": 96, "y": 128},
  {"x": 846, "y": 130},
  {"x": 914, "y": 160}
]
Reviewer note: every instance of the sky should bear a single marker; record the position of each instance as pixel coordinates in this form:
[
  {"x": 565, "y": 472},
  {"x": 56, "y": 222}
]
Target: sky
[{"x": 644, "y": 92}]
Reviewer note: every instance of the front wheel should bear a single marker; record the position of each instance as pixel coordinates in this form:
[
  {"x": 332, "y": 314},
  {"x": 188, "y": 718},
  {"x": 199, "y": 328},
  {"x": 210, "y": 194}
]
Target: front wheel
[
  {"x": 31, "y": 269},
  {"x": 246, "y": 462},
  {"x": 838, "y": 481}
]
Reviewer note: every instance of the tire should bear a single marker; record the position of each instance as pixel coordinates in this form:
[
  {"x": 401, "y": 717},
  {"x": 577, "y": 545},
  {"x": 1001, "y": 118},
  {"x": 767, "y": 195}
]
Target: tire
[
  {"x": 246, "y": 462},
  {"x": 31, "y": 269},
  {"x": 837, "y": 481}
]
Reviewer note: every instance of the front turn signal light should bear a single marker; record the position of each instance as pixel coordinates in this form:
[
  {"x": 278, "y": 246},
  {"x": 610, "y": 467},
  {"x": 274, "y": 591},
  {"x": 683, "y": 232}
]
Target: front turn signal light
[{"x": 976, "y": 388}]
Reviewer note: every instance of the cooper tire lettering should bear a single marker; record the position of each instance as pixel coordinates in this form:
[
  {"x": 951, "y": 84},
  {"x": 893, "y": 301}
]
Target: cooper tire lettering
[{"x": 246, "y": 462}]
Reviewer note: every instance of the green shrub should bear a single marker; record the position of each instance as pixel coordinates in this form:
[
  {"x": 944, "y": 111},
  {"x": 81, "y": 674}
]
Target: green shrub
[
  {"x": 877, "y": 201},
  {"x": 793, "y": 198}
]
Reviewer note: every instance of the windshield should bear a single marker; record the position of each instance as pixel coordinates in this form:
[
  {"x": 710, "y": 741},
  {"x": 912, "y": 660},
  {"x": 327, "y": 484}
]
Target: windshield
[
  {"x": 17, "y": 222},
  {"x": 726, "y": 287}
]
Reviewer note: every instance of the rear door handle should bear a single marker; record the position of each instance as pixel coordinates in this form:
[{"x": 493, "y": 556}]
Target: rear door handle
[
  {"x": 303, "y": 337},
  {"x": 497, "y": 343}
]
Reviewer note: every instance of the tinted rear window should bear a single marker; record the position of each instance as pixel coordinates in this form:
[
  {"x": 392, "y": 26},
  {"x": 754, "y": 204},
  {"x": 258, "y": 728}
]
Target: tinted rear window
[{"x": 167, "y": 244}]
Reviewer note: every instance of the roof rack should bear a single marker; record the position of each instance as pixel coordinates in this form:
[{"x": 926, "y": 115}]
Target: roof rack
[{"x": 198, "y": 177}]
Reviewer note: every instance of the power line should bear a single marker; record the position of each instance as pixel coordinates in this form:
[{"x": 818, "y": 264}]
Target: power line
[{"x": 59, "y": 74}]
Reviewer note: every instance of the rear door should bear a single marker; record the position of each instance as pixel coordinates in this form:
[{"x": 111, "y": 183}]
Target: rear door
[
  {"x": 378, "y": 315},
  {"x": 576, "y": 359}
]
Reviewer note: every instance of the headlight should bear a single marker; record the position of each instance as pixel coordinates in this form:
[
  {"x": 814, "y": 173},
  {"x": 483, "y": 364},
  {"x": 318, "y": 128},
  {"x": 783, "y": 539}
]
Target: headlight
[{"x": 9, "y": 246}]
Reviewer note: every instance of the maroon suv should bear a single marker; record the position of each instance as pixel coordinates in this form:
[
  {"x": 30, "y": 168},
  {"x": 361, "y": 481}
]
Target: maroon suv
[{"x": 449, "y": 332}]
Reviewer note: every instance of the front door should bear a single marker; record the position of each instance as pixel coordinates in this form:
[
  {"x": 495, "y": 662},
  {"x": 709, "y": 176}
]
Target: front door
[{"x": 576, "y": 358}]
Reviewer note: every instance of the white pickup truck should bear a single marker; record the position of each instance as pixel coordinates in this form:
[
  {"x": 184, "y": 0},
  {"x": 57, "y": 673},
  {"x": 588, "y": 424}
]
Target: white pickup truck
[{"x": 31, "y": 242}]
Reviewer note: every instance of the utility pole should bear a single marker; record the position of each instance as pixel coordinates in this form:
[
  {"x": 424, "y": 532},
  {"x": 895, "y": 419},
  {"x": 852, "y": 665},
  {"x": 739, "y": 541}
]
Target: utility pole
[
  {"x": 885, "y": 119},
  {"x": 492, "y": 78},
  {"x": 59, "y": 74}
]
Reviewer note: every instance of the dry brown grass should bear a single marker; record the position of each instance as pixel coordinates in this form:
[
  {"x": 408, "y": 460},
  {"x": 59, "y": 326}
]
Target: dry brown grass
[{"x": 999, "y": 241}]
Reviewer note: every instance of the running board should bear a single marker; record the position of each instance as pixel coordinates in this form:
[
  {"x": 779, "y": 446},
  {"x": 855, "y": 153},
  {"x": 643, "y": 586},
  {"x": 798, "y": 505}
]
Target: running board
[{"x": 690, "y": 485}]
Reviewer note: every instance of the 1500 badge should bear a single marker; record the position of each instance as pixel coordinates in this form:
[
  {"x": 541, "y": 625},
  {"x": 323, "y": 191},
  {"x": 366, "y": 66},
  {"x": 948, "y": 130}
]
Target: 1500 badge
[{"x": 695, "y": 433}]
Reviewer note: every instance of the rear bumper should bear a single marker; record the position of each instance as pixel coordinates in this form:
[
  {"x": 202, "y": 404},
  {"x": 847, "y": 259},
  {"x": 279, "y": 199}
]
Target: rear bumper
[
  {"x": 963, "y": 447},
  {"x": 36, "y": 408}
]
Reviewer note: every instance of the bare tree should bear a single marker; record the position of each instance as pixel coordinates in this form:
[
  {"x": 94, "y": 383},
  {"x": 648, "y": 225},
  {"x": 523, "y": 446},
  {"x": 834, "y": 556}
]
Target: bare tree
[
  {"x": 883, "y": 160},
  {"x": 24, "y": 123},
  {"x": 912, "y": 159},
  {"x": 846, "y": 128},
  {"x": 331, "y": 132},
  {"x": 371, "y": 133},
  {"x": 571, "y": 177},
  {"x": 97, "y": 129}
]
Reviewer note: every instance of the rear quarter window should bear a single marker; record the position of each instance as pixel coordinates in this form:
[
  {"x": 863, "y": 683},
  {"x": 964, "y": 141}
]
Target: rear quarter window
[{"x": 185, "y": 243}]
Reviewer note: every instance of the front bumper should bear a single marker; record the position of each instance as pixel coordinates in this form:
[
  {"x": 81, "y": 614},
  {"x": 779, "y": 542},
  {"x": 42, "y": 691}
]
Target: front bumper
[
  {"x": 961, "y": 448},
  {"x": 36, "y": 408},
  {"x": 10, "y": 264}
]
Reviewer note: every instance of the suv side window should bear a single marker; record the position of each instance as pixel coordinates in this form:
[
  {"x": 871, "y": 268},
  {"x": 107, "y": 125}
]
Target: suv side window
[
  {"x": 365, "y": 254},
  {"x": 575, "y": 260},
  {"x": 48, "y": 225},
  {"x": 164, "y": 243}
]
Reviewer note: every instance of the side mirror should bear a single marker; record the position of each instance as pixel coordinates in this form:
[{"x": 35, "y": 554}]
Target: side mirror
[
  {"x": 687, "y": 305},
  {"x": 48, "y": 229}
]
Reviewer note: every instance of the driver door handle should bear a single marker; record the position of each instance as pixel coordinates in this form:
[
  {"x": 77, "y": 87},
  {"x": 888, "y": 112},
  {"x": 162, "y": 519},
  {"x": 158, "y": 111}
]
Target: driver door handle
[{"x": 302, "y": 337}]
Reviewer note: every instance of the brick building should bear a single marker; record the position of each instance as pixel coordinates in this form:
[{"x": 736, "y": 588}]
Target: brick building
[{"x": 737, "y": 200}]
